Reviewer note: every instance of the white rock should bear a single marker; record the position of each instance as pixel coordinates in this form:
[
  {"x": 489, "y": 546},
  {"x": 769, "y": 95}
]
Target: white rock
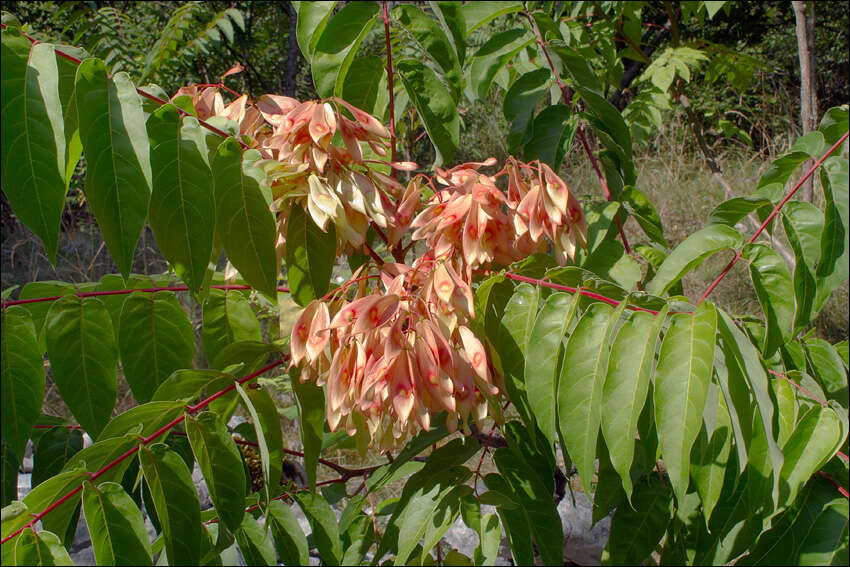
[{"x": 582, "y": 544}]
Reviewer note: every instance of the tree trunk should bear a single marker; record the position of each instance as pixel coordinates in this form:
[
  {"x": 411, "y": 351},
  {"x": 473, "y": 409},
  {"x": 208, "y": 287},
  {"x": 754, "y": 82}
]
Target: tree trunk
[
  {"x": 291, "y": 55},
  {"x": 805, "y": 15}
]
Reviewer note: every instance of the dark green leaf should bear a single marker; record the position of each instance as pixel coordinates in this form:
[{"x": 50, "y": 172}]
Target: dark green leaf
[
  {"x": 365, "y": 84},
  {"x": 185, "y": 384},
  {"x": 804, "y": 225},
  {"x": 227, "y": 318},
  {"x": 731, "y": 212},
  {"x": 46, "y": 494},
  {"x": 338, "y": 44},
  {"x": 267, "y": 428},
  {"x": 9, "y": 472},
  {"x": 221, "y": 464},
  {"x": 42, "y": 548},
  {"x": 435, "y": 106},
  {"x": 325, "y": 529},
  {"x": 116, "y": 526},
  {"x": 182, "y": 210},
  {"x": 451, "y": 17},
  {"x": 519, "y": 104},
  {"x": 430, "y": 37},
  {"x": 310, "y": 254},
  {"x": 118, "y": 157},
  {"x": 54, "y": 449},
  {"x": 640, "y": 207},
  {"x": 289, "y": 539},
  {"x": 832, "y": 269},
  {"x": 552, "y": 135},
  {"x": 710, "y": 455},
  {"x": 33, "y": 144},
  {"x": 244, "y": 223},
  {"x": 311, "y": 420},
  {"x": 176, "y": 503},
  {"x": 636, "y": 532},
  {"x": 23, "y": 378},
  {"x": 83, "y": 359},
  {"x": 155, "y": 338},
  {"x": 514, "y": 331},
  {"x": 536, "y": 504},
  {"x": 98, "y": 455},
  {"x": 828, "y": 368},
  {"x": 254, "y": 543}
]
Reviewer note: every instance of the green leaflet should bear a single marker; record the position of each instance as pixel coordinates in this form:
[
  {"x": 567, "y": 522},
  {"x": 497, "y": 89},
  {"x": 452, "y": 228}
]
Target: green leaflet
[
  {"x": 312, "y": 19},
  {"x": 690, "y": 254},
  {"x": 155, "y": 338},
  {"x": 710, "y": 454},
  {"x": 636, "y": 531},
  {"x": 803, "y": 223},
  {"x": 535, "y": 503},
  {"x": 53, "y": 450},
  {"x": 772, "y": 281},
  {"x": 519, "y": 104},
  {"x": 116, "y": 526},
  {"x": 244, "y": 223},
  {"x": 514, "y": 329},
  {"x": 832, "y": 267},
  {"x": 325, "y": 529},
  {"x": 311, "y": 419},
  {"x": 335, "y": 49},
  {"x": 365, "y": 85},
  {"x": 514, "y": 520},
  {"x": 267, "y": 428},
  {"x": 552, "y": 135},
  {"x": 254, "y": 543},
  {"x": 33, "y": 147},
  {"x": 626, "y": 384},
  {"x": 83, "y": 359},
  {"x": 430, "y": 37},
  {"x": 741, "y": 353},
  {"x": 289, "y": 540},
  {"x": 545, "y": 344},
  {"x": 221, "y": 464},
  {"x": 476, "y": 14},
  {"x": 815, "y": 439},
  {"x": 44, "y": 495},
  {"x": 227, "y": 318},
  {"x": 731, "y": 212},
  {"x": 580, "y": 386},
  {"x": 39, "y": 310},
  {"x": 103, "y": 452},
  {"x": 827, "y": 366},
  {"x": 491, "y": 57},
  {"x": 186, "y": 384},
  {"x": 23, "y": 377},
  {"x": 641, "y": 208},
  {"x": 175, "y": 501},
  {"x": 490, "y": 537},
  {"x": 811, "y": 532},
  {"x": 42, "y": 548},
  {"x": 435, "y": 107},
  {"x": 681, "y": 386},
  {"x": 143, "y": 419},
  {"x": 118, "y": 158},
  {"x": 182, "y": 210},
  {"x": 310, "y": 256},
  {"x": 451, "y": 18}
]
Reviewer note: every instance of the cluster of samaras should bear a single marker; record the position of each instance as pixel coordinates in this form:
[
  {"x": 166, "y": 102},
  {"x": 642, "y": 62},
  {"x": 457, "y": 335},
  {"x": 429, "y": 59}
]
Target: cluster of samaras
[
  {"x": 394, "y": 355},
  {"x": 397, "y": 352}
]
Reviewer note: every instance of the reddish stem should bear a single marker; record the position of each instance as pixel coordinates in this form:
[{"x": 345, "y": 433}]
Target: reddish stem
[
  {"x": 390, "y": 83},
  {"x": 125, "y": 291},
  {"x": 580, "y": 128},
  {"x": 144, "y": 442},
  {"x": 769, "y": 218}
]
